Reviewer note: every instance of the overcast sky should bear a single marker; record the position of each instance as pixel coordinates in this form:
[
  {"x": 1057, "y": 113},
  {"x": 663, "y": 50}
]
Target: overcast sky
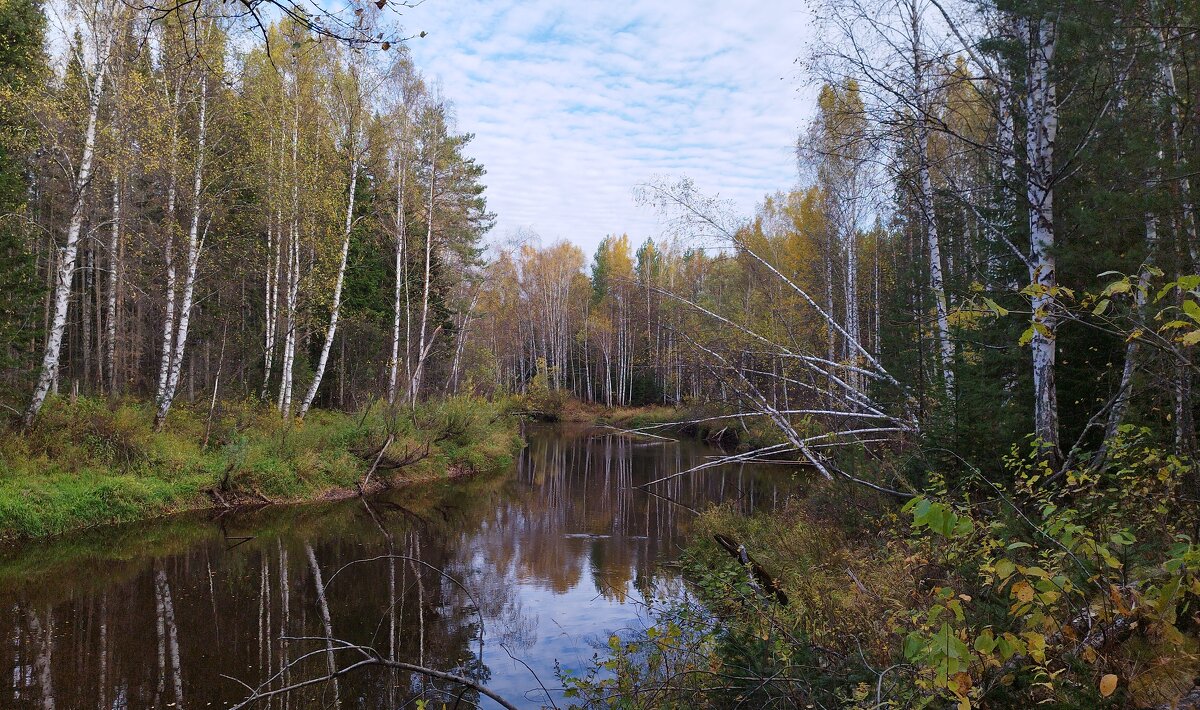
[{"x": 575, "y": 102}]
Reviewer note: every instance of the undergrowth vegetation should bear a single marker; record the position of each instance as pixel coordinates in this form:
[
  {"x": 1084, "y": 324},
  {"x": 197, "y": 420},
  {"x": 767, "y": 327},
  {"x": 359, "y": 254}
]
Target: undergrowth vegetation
[
  {"x": 977, "y": 593},
  {"x": 96, "y": 461}
]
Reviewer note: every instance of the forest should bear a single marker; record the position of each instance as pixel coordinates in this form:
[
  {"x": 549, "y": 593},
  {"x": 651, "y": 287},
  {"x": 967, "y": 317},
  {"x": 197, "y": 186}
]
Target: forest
[{"x": 241, "y": 243}]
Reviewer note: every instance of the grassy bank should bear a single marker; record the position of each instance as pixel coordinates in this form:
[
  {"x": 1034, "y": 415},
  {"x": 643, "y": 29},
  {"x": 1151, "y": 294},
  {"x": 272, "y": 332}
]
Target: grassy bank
[{"x": 94, "y": 461}]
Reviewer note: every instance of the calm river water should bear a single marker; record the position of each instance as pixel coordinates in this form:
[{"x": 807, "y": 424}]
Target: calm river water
[{"x": 493, "y": 578}]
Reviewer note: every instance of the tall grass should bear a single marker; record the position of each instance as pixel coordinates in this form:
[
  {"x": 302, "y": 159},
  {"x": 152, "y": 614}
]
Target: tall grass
[{"x": 96, "y": 461}]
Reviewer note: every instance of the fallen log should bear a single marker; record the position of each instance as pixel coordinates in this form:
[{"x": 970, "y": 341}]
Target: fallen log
[{"x": 760, "y": 580}]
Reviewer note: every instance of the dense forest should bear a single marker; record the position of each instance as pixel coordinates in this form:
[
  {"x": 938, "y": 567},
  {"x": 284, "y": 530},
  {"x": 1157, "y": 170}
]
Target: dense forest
[
  {"x": 181, "y": 218},
  {"x": 980, "y": 300}
]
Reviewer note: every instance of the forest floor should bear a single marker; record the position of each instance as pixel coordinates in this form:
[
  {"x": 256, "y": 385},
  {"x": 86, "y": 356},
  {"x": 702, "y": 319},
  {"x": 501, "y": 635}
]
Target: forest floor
[{"x": 96, "y": 461}]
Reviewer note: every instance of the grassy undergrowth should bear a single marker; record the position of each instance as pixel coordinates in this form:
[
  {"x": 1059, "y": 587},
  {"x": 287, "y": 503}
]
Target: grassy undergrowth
[
  {"x": 95, "y": 461},
  {"x": 976, "y": 593}
]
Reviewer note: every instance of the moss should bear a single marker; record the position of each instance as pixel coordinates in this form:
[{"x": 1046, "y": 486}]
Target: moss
[{"x": 93, "y": 461}]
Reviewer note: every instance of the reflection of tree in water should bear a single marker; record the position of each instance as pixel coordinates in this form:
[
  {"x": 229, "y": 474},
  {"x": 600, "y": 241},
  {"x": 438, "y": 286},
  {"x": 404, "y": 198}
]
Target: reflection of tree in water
[
  {"x": 180, "y": 607},
  {"x": 584, "y": 509},
  {"x": 166, "y": 634}
]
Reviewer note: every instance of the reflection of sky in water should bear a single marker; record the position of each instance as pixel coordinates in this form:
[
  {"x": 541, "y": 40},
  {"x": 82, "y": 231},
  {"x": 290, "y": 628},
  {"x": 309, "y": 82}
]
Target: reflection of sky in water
[{"x": 557, "y": 554}]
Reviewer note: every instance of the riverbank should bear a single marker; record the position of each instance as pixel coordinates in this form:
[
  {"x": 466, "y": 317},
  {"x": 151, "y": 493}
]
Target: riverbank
[
  {"x": 94, "y": 462},
  {"x": 977, "y": 592}
]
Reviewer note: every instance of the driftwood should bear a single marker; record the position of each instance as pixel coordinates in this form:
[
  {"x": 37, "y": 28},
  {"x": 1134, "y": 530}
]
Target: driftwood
[
  {"x": 378, "y": 457},
  {"x": 724, "y": 437},
  {"x": 760, "y": 580}
]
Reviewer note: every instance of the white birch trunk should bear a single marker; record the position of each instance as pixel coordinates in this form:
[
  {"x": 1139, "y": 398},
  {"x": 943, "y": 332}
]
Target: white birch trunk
[
  {"x": 928, "y": 216},
  {"x": 164, "y": 364},
  {"x": 1116, "y": 415},
  {"x": 195, "y": 245},
  {"x": 110, "y": 308},
  {"x": 271, "y": 286},
  {"x": 1041, "y": 110},
  {"x": 293, "y": 270},
  {"x": 422, "y": 350},
  {"x": 462, "y": 340},
  {"x": 401, "y": 280},
  {"x": 337, "y": 290},
  {"x": 1167, "y": 68},
  {"x": 69, "y": 251},
  {"x": 270, "y": 300},
  {"x": 851, "y": 289}
]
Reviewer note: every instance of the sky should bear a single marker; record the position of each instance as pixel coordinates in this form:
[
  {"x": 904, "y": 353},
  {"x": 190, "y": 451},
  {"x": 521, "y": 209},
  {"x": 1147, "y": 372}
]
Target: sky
[{"x": 573, "y": 103}]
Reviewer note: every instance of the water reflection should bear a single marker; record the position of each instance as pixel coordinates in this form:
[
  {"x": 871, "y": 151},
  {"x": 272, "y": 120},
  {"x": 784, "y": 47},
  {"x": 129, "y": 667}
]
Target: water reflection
[{"x": 464, "y": 578}]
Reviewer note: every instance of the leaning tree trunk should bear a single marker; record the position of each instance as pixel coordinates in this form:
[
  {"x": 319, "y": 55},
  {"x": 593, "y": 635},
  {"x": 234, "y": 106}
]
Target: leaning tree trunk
[
  {"x": 70, "y": 250},
  {"x": 1120, "y": 405},
  {"x": 337, "y": 294},
  {"x": 452, "y": 383}
]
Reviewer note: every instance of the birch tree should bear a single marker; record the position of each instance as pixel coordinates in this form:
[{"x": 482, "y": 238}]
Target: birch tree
[
  {"x": 93, "y": 54},
  {"x": 350, "y": 109},
  {"x": 1040, "y": 37},
  {"x": 177, "y": 342}
]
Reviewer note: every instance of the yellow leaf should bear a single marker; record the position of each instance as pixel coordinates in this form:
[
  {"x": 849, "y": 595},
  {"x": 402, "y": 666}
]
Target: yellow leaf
[
  {"x": 1108, "y": 684},
  {"x": 1023, "y": 591}
]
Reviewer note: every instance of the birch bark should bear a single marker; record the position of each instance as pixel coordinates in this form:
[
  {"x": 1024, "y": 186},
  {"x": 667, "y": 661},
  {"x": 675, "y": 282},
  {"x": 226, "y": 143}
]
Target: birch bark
[
  {"x": 1041, "y": 110},
  {"x": 337, "y": 289},
  {"x": 195, "y": 246},
  {"x": 401, "y": 279},
  {"x": 422, "y": 349},
  {"x": 293, "y": 270},
  {"x": 110, "y": 307},
  {"x": 69, "y": 251},
  {"x": 928, "y": 215}
]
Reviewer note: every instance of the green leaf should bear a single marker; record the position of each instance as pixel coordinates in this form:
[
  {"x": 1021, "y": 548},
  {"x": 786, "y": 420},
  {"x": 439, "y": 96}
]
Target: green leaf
[
  {"x": 1192, "y": 309},
  {"x": 1004, "y": 568},
  {"x": 985, "y": 642},
  {"x": 1122, "y": 286},
  {"x": 914, "y": 643},
  {"x": 1189, "y": 282}
]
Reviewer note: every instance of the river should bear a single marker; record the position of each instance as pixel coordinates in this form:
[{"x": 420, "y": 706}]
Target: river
[{"x": 493, "y": 578}]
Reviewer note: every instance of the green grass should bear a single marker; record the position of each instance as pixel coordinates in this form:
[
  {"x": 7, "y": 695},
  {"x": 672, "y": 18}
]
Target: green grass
[{"x": 94, "y": 461}]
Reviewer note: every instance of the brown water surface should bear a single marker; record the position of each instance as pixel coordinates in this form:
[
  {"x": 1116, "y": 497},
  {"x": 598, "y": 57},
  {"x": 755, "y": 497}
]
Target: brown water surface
[{"x": 536, "y": 564}]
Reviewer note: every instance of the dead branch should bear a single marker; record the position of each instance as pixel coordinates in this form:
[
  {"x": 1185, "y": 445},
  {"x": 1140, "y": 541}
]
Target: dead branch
[{"x": 371, "y": 658}]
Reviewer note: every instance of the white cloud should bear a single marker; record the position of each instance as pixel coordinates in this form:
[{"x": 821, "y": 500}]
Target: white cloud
[{"x": 575, "y": 103}]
